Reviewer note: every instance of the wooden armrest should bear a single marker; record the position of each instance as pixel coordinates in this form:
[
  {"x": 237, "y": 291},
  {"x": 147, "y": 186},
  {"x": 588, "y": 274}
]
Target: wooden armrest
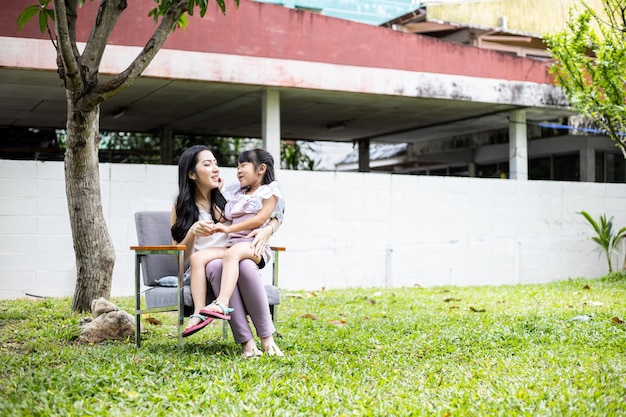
[
  {"x": 159, "y": 247},
  {"x": 278, "y": 248}
]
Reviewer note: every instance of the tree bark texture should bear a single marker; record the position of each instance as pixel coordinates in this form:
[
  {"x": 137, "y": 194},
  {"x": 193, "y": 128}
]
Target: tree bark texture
[{"x": 93, "y": 248}]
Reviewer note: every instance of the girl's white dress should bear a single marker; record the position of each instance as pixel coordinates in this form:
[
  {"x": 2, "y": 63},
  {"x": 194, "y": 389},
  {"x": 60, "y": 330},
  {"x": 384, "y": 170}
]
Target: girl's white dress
[{"x": 242, "y": 206}]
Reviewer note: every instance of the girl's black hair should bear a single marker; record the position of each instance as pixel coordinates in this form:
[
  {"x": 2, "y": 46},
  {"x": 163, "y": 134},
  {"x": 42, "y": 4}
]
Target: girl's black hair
[
  {"x": 186, "y": 210},
  {"x": 258, "y": 157}
]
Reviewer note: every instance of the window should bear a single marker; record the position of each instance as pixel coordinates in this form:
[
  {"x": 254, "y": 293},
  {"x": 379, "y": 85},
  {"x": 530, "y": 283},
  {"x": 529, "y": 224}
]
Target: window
[
  {"x": 566, "y": 167},
  {"x": 540, "y": 168},
  {"x": 610, "y": 167}
]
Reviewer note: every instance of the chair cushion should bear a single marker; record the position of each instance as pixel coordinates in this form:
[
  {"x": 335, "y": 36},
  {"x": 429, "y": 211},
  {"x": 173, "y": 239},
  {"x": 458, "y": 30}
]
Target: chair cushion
[
  {"x": 169, "y": 281},
  {"x": 166, "y": 297},
  {"x": 273, "y": 295}
]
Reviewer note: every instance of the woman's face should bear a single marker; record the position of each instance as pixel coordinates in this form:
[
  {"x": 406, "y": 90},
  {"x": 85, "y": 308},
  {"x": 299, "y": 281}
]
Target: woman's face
[{"x": 207, "y": 173}]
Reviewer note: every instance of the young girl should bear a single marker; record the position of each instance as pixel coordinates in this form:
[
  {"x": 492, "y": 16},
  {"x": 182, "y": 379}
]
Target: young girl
[{"x": 250, "y": 207}]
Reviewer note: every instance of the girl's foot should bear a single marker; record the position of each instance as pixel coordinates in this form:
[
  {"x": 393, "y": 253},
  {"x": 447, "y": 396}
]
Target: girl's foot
[
  {"x": 217, "y": 310},
  {"x": 196, "y": 322}
]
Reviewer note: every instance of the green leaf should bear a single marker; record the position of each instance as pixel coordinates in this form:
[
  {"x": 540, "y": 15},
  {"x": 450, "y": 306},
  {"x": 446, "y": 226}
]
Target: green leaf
[
  {"x": 26, "y": 15},
  {"x": 43, "y": 21},
  {"x": 183, "y": 21},
  {"x": 203, "y": 6},
  {"x": 50, "y": 14}
]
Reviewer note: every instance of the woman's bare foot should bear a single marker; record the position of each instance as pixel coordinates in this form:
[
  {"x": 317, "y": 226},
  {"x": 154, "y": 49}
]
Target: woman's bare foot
[
  {"x": 249, "y": 350},
  {"x": 270, "y": 348}
]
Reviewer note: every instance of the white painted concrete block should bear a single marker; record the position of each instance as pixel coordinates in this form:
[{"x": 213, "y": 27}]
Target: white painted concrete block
[
  {"x": 51, "y": 206},
  {"x": 17, "y": 281},
  {"x": 18, "y": 188},
  {"x": 17, "y": 225},
  {"x": 24, "y": 170},
  {"x": 43, "y": 170},
  {"x": 45, "y": 243},
  {"x": 18, "y": 206},
  {"x": 54, "y": 260},
  {"x": 53, "y": 225},
  {"x": 51, "y": 188},
  {"x": 55, "y": 283}
]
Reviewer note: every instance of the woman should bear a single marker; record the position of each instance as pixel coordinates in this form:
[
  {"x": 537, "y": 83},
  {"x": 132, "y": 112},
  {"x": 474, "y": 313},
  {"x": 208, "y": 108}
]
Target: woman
[{"x": 198, "y": 206}]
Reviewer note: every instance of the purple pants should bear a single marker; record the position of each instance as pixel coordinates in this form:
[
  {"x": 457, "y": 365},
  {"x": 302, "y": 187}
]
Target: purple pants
[{"x": 249, "y": 298}]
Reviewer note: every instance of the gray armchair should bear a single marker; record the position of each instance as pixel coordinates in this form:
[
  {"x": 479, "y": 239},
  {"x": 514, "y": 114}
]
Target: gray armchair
[{"x": 156, "y": 257}]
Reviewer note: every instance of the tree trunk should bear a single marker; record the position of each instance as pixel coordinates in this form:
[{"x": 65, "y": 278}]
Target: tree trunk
[{"x": 93, "y": 248}]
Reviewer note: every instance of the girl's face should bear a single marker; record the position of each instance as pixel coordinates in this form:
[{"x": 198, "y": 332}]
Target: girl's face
[
  {"x": 249, "y": 175},
  {"x": 206, "y": 173}
]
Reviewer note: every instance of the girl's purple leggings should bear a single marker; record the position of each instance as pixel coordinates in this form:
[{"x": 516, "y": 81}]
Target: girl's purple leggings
[{"x": 249, "y": 298}]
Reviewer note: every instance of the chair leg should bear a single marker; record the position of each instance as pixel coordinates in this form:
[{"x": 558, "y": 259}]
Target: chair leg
[
  {"x": 179, "y": 328},
  {"x": 273, "y": 313},
  {"x": 138, "y": 330},
  {"x": 181, "y": 296},
  {"x": 137, "y": 302}
]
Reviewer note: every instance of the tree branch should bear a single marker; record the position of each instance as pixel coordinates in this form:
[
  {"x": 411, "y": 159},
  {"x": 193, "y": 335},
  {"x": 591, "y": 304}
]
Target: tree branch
[
  {"x": 115, "y": 86},
  {"x": 108, "y": 15},
  {"x": 65, "y": 28}
]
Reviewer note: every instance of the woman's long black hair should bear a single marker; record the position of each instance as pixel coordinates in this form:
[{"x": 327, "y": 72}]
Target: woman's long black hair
[{"x": 186, "y": 210}]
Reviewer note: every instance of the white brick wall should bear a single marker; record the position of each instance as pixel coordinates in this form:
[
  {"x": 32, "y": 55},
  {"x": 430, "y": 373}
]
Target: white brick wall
[{"x": 342, "y": 229}]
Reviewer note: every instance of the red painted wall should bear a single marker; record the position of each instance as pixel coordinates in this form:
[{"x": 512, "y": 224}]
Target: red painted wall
[{"x": 266, "y": 30}]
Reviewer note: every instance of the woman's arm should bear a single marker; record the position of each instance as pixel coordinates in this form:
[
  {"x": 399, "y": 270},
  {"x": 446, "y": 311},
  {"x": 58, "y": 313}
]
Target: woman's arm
[
  {"x": 262, "y": 235},
  {"x": 199, "y": 228}
]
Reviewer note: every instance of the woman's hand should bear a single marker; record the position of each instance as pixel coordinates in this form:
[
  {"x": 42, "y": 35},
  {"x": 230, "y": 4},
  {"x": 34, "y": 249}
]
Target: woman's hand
[
  {"x": 261, "y": 236},
  {"x": 203, "y": 228}
]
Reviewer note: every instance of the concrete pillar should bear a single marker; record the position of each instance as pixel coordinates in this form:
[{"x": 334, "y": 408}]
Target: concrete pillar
[
  {"x": 166, "y": 146},
  {"x": 364, "y": 155},
  {"x": 271, "y": 124},
  {"x": 518, "y": 145},
  {"x": 588, "y": 163},
  {"x": 472, "y": 169}
]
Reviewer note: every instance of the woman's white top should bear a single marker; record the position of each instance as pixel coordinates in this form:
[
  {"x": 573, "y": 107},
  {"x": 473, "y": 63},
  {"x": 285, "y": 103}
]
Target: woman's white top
[{"x": 215, "y": 240}]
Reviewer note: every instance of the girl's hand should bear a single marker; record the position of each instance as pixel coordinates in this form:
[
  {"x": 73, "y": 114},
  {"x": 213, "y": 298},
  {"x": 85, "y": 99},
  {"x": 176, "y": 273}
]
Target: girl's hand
[
  {"x": 203, "y": 228},
  {"x": 221, "y": 227},
  {"x": 261, "y": 236}
]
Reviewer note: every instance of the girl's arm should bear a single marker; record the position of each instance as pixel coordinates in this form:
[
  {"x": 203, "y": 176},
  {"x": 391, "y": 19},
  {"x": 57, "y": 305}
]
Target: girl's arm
[{"x": 253, "y": 222}]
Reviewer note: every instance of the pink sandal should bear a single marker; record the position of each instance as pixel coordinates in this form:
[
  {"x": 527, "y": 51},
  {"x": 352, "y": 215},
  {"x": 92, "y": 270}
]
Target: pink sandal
[
  {"x": 223, "y": 315},
  {"x": 204, "y": 321}
]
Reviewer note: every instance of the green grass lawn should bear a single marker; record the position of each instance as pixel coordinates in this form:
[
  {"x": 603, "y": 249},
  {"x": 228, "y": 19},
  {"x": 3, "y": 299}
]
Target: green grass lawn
[{"x": 523, "y": 350}]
